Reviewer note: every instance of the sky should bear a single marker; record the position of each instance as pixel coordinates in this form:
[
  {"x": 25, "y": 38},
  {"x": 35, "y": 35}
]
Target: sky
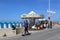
[{"x": 10, "y": 10}]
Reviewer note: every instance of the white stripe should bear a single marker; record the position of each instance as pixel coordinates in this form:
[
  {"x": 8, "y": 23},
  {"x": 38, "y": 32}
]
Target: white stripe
[
  {"x": 4, "y": 25},
  {"x": 0, "y": 26},
  {"x": 9, "y": 25}
]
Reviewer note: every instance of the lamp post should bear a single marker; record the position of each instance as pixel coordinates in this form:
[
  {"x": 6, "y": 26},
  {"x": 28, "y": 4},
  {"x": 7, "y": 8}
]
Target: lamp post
[{"x": 49, "y": 14}]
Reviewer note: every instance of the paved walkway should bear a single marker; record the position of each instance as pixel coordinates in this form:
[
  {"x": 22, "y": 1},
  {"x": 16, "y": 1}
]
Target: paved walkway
[
  {"x": 34, "y": 31},
  {"x": 46, "y": 34}
]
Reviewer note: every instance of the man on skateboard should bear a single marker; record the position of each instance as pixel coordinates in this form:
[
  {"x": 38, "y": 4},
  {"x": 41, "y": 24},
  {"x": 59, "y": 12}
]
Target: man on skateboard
[{"x": 26, "y": 28}]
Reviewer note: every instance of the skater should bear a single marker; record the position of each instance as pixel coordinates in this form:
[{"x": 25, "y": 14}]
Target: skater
[{"x": 26, "y": 27}]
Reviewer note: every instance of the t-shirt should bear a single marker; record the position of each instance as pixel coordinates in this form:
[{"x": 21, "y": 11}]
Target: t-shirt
[{"x": 26, "y": 24}]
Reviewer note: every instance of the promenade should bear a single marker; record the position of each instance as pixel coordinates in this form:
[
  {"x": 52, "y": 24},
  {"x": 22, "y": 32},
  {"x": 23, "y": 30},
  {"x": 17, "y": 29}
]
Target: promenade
[{"x": 46, "y": 34}]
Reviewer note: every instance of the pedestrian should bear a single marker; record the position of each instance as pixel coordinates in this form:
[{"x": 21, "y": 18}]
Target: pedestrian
[
  {"x": 26, "y": 27},
  {"x": 13, "y": 27},
  {"x": 45, "y": 25}
]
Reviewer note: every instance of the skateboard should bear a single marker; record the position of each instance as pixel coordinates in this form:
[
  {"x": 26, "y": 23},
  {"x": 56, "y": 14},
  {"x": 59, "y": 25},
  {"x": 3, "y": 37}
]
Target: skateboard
[{"x": 26, "y": 34}]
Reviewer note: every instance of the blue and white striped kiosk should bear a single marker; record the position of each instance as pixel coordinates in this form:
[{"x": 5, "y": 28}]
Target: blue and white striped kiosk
[
  {"x": 9, "y": 25},
  {"x": 19, "y": 24},
  {"x": 5, "y": 25},
  {"x": 1, "y": 25}
]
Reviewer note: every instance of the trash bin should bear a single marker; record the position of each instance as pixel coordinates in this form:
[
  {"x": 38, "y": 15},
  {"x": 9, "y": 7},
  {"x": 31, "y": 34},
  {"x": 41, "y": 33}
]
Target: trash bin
[
  {"x": 50, "y": 25},
  {"x": 17, "y": 30}
]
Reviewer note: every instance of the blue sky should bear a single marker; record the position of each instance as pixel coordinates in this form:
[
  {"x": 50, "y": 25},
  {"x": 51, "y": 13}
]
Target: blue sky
[{"x": 10, "y": 10}]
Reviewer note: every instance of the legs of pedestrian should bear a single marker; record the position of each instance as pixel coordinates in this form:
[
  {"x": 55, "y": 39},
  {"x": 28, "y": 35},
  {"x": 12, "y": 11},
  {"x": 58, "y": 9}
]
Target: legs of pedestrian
[{"x": 25, "y": 31}]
